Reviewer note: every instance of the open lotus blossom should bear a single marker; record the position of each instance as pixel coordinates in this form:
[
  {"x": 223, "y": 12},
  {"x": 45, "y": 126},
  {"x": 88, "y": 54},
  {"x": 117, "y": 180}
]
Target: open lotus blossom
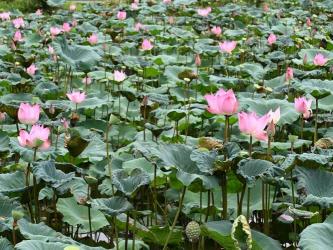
[
  {"x": 87, "y": 80},
  {"x": 303, "y": 106},
  {"x": 253, "y": 125},
  {"x": 72, "y": 7},
  {"x": 28, "y": 114},
  {"x": 146, "y": 45},
  {"x": 119, "y": 76},
  {"x": 227, "y": 46},
  {"x": 76, "y": 97},
  {"x": 18, "y": 22},
  {"x": 274, "y": 116},
  {"x": 197, "y": 60},
  {"x": 271, "y": 39},
  {"x": 289, "y": 74},
  {"x": 39, "y": 12},
  {"x": 167, "y": 1},
  {"x": 55, "y": 31},
  {"x": 319, "y": 60},
  {"x": 222, "y": 102},
  {"x": 204, "y": 12},
  {"x": 17, "y": 36},
  {"x": 4, "y": 16},
  {"x": 31, "y": 70},
  {"x": 121, "y": 15},
  {"x": 216, "y": 30},
  {"x": 66, "y": 27},
  {"x": 308, "y": 22},
  {"x": 37, "y": 138},
  {"x": 93, "y": 39},
  {"x": 138, "y": 27}
]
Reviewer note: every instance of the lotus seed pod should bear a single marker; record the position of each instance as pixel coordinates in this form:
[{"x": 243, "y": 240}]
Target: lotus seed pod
[
  {"x": 193, "y": 231},
  {"x": 17, "y": 215},
  {"x": 90, "y": 180}
]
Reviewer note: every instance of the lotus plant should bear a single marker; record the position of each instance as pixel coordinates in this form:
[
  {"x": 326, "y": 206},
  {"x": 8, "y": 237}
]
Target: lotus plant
[
  {"x": 319, "y": 60},
  {"x": 28, "y": 114},
  {"x": 227, "y": 46}
]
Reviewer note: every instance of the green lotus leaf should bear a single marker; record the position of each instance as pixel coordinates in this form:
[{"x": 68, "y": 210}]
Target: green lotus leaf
[
  {"x": 317, "y": 184},
  {"x": 129, "y": 183},
  {"x": 47, "y": 172},
  {"x": 75, "y": 214},
  {"x": 5, "y": 244},
  {"x": 12, "y": 183},
  {"x": 55, "y": 3},
  {"x": 220, "y": 231},
  {"x": 312, "y": 160},
  {"x": 318, "y": 235},
  {"x": 112, "y": 206}
]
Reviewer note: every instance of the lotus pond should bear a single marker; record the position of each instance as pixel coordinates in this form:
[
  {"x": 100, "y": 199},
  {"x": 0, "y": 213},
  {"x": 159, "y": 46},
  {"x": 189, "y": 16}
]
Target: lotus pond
[{"x": 175, "y": 124}]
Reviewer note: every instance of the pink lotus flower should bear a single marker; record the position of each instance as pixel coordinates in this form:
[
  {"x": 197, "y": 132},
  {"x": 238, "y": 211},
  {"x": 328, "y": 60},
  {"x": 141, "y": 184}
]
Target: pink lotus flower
[
  {"x": 227, "y": 46},
  {"x": 222, "y": 103},
  {"x": 31, "y": 70},
  {"x": 134, "y": 6},
  {"x": 167, "y": 1},
  {"x": 253, "y": 125},
  {"x": 204, "y": 12},
  {"x": 93, "y": 39},
  {"x": 319, "y": 60},
  {"x": 303, "y": 106},
  {"x": 55, "y": 31},
  {"x": 271, "y": 39},
  {"x": 18, "y": 22},
  {"x": 39, "y": 12},
  {"x": 274, "y": 116},
  {"x": 4, "y": 16},
  {"x": 66, "y": 27},
  {"x": 72, "y": 7},
  {"x": 146, "y": 45},
  {"x": 121, "y": 15},
  {"x": 76, "y": 97},
  {"x": 87, "y": 80},
  {"x": 197, "y": 60},
  {"x": 216, "y": 30},
  {"x": 265, "y": 7},
  {"x": 2, "y": 116},
  {"x": 28, "y": 114},
  {"x": 65, "y": 123},
  {"x": 138, "y": 27},
  {"x": 51, "y": 49},
  {"x": 289, "y": 74},
  {"x": 119, "y": 76},
  {"x": 74, "y": 23},
  {"x": 308, "y": 22},
  {"x": 17, "y": 36},
  {"x": 37, "y": 138}
]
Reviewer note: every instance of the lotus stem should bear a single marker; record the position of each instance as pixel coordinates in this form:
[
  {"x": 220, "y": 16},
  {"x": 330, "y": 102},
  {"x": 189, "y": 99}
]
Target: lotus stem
[
  {"x": 226, "y": 129},
  {"x": 176, "y": 218},
  {"x": 250, "y": 147},
  {"x": 240, "y": 204},
  {"x": 126, "y": 231},
  {"x": 35, "y": 190},
  {"x": 315, "y": 138},
  {"x": 248, "y": 204},
  {"x": 224, "y": 187},
  {"x": 208, "y": 206}
]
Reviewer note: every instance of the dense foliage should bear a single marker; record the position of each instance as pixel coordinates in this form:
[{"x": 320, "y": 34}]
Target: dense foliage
[{"x": 177, "y": 124}]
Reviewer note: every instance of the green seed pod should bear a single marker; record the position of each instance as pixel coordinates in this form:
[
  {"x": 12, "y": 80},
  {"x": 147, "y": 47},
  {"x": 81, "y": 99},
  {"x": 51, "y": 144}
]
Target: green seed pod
[{"x": 193, "y": 231}]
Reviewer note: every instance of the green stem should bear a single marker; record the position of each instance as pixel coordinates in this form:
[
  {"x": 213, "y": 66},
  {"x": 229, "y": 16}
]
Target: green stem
[
  {"x": 240, "y": 204},
  {"x": 35, "y": 190},
  {"x": 208, "y": 206},
  {"x": 226, "y": 128},
  {"x": 248, "y": 204},
  {"x": 176, "y": 218},
  {"x": 126, "y": 231},
  {"x": 250, "y": 147},
  {"x": 316, "y": 123},
  {"x": 224, "y": 187}
]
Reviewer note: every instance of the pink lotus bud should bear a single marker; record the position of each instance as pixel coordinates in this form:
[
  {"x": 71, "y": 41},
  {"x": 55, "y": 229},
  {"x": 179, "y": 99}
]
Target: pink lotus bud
[
  {"x": 18, "y": 23},
  {"x": 2, "y": 116},
  {"x": 121, "y": 15},
  {"x": 87, "y": 80},
  {"x": 18, "y": 36},
  {"x": 308, "y": 22},
  {"x": 66, "y": 27},
  {"x": 5, "y": 16},
  {"x": 271, "y": 39},
  {"x": 289, "y": 74},
  {"x": 216, "y": 30},
  {"x": 93, "y": 39},
  {"x": 28, "y": 114},
  {"x": 303, "y": 106},
  {"x": 72, "y": 7},
  {"x": 197, "y": 60}
]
